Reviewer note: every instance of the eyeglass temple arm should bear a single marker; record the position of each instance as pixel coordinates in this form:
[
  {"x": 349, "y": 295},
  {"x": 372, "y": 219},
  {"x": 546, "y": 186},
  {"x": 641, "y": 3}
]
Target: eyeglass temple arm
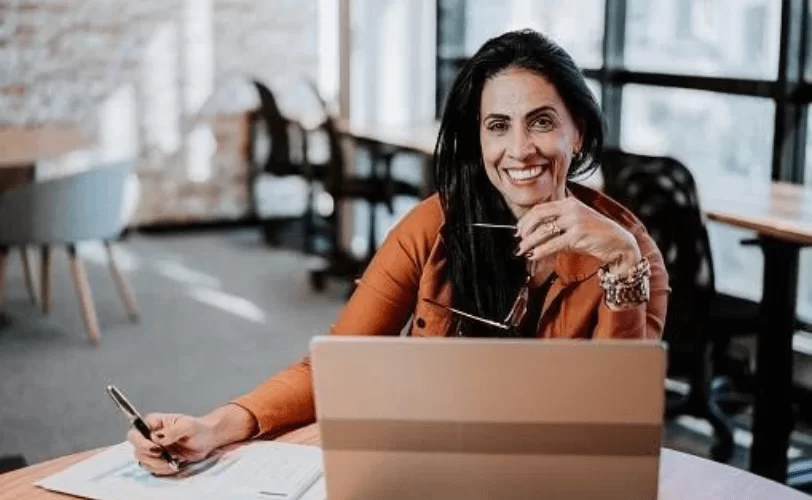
[{"x": 470, "y": 316}]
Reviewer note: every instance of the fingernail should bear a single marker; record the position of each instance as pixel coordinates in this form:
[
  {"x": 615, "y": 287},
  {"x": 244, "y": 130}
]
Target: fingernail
[{"x": 529, "y": 255}]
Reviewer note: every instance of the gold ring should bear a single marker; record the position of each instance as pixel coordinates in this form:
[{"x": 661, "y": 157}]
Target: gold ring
[{"x": 552, "y": 228}]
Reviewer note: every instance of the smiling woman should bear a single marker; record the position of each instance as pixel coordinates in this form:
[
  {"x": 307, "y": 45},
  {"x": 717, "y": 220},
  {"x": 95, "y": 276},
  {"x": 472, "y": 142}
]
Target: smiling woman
[
  {"x": 525, "y": 102},
  {"x": 509, "y": 247}
]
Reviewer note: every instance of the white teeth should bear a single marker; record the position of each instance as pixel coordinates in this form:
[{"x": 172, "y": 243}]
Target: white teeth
[{"x": 524, "y": 174}]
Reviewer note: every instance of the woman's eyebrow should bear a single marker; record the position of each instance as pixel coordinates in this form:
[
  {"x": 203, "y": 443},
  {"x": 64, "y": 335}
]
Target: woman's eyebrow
[
  {"x": 537, "y": 111},
  {"x": 530, "y": 114},
  {"x": 498, "y": 116}
]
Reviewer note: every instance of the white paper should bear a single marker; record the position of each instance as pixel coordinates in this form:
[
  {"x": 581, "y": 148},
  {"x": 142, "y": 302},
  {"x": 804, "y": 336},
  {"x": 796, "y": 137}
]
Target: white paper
[{"x": 260, "y": 469}]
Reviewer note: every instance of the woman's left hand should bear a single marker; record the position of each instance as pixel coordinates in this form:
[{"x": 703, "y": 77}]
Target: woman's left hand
[{"x": 568, "y": 224}]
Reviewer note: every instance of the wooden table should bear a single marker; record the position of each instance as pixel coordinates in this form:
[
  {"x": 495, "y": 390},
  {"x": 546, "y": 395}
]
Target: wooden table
[
  {"x": 22, "y": 147},
  {"x": 682, "y": 476},
  {"x": 26, "y": 145},
  {"x": 781, "y": 214}
]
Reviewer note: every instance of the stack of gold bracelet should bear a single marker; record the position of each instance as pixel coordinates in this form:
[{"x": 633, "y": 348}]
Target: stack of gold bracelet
[{"x": 631, "y": 289}]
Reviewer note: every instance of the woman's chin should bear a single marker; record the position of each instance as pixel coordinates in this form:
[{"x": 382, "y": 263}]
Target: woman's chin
[{"x": 524, "y": 200}]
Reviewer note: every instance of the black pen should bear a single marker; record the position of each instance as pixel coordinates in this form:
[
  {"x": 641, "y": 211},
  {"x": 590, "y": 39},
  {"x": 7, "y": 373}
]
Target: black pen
[{"x": 138, "y": 422}]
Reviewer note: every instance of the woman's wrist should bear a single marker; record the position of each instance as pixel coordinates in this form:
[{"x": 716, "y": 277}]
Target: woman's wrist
[
  {"x": 625, "y": 259},
  {"x": 231, "y": 423},
  {"x": 625, "y": 279}
]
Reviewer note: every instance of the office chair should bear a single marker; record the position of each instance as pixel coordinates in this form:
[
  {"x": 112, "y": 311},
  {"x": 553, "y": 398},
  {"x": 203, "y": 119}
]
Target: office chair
[
  {"x": 285, "y": 157},
  {"x": 662, "y": 193},
  {"x": 67, "y": 211}
]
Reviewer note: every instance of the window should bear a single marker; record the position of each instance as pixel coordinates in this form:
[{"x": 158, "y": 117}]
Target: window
[
  {"x": 731, "y": 38},
  {"x": 576, "y": 25},
  {"x": 464, "y": 25},
  {"x": 715, "y": 136}
]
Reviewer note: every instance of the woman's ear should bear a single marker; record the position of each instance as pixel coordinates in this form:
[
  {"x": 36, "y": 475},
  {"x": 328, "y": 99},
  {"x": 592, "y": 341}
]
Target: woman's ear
[{"x": 578, "y": 140}]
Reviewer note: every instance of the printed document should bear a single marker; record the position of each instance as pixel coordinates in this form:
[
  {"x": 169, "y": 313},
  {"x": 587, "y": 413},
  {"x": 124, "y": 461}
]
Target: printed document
[{"x": 255, "y": 470}]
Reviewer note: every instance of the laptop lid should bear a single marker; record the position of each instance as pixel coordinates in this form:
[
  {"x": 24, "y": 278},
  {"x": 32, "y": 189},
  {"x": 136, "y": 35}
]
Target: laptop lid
[{"x": 404, "y": 418}]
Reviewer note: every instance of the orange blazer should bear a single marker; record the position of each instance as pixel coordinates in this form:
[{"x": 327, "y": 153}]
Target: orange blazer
[{"x": 410, "y": 266}]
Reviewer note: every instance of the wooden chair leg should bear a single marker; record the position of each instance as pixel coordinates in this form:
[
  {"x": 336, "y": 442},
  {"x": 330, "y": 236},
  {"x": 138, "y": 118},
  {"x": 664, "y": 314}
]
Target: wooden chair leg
[
  {"x": 85, "y": 295},
  {"x": 45, "y": 285},
  {"x": 123, "y": 286},
  {"x": 3, "y": 265},
  {"x": 28, "y": 274}
]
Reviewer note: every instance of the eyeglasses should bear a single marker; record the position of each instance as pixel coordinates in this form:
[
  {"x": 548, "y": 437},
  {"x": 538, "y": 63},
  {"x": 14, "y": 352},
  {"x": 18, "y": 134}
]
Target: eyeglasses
[{"x": 517, "y": 311}]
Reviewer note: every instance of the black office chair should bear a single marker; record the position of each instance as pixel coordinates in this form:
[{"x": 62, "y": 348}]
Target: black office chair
[
  {"x": 700, "y": 322},
  {"x": 286, "y": 156}
]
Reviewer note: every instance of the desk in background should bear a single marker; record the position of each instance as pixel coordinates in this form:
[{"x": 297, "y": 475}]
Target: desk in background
[
  {"x": 681, "y": 476},
  {"x": 781, "y": 214}
]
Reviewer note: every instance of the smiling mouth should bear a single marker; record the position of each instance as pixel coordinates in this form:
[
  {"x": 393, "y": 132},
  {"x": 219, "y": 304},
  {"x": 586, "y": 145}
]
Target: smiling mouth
[{"x": 525, "y": 174}]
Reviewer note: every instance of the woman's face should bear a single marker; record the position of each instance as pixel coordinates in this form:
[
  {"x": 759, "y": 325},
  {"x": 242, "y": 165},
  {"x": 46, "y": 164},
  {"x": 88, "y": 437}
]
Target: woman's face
[{"x": 527, "y": 137}]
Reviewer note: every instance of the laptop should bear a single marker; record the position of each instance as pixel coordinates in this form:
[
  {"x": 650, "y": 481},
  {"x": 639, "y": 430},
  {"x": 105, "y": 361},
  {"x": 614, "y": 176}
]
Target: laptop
[{"x": 463, "y": 418}]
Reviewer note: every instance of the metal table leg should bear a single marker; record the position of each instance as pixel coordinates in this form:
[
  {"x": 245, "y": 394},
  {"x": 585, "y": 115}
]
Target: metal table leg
[{"x": 772, "y": 412}]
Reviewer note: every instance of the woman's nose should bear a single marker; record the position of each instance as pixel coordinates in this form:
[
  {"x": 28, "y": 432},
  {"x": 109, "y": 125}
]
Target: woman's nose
[{"x": 521, "y": 146}]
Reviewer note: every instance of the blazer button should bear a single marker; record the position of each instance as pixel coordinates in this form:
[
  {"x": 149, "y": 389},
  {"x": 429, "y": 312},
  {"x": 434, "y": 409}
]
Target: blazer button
[{"x": 421, "y": 323}]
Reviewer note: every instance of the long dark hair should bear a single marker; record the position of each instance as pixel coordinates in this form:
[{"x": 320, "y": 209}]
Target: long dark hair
[{"x": 484, "y": 273}]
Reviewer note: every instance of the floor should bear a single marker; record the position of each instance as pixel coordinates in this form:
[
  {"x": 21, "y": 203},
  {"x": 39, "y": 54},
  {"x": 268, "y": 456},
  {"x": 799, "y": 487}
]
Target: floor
[{"x": 220, "y": 312}]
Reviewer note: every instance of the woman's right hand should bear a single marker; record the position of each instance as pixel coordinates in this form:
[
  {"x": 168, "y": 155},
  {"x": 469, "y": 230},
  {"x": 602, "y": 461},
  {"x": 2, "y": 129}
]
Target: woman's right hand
[
  {"x": 186, "y": 438},
  {"x": 190, "y": 439}
]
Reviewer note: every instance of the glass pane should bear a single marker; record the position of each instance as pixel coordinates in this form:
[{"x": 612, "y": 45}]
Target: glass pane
[
  {"x": 808, "y": 154},
  {"x": 595, "y": 87},
  {"x": 451, "y": 21},
  {"x": 577, "y": 25},
  {"x": 716, "y": 136},
  {"x": 805, "y": 273},
  {"x": 805, "y": 287},
  {"x": 706, "y": 37},
  {"x": 808, "y": 70}
]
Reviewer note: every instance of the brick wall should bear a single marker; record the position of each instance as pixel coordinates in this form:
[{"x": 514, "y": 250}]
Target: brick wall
[{"x": 162, "y": 80}]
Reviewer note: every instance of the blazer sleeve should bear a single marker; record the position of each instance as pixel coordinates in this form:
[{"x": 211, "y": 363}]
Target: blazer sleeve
[
  {"x": 381, "y": 305},
  {"x": 645, "y": 321}
]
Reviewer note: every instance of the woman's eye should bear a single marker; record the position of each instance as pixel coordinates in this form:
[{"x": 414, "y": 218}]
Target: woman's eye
[
  {"x": 497, "y": 127},
  {"x": 543, "y": 123}
]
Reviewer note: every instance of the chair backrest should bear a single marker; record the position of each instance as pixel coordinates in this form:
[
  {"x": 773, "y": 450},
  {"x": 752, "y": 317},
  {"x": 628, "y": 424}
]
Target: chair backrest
[
  {"x": 84, "y": 206},
  {"x": 662, "y": 193},
  {"x": 334, "y": 174},
  {"x": 277, "y": 126}
]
